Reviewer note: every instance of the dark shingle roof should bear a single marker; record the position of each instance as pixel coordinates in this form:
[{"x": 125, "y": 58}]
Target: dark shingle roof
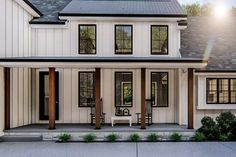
[
  {"x": 124, "y": 8},
  {"x": 208, "y": 37},
  {"x": 50, "y": 10}
]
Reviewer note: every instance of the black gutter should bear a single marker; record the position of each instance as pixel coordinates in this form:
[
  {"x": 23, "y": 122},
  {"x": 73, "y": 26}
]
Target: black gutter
[
  {"x": 97, "y": 60},
  {"x": 47, "y": 22},
  {"x": 33, "y": 7},
  {"x": 123, "y": 15}
]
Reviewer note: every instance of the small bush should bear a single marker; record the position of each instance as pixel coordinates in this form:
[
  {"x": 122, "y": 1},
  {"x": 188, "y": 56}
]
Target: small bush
[
  {"x": 224, "y": 137},
  {"x": 134, "y": 137},
  {"x": 112, "y": 137},
  {"x": 64, "y": 137},
  {"x": 199, "y": 137},
  {"x": 225, "y": 122},
  {"x": 209, "y": 128},
  {"x": 176, "y": 137},
  {"x": 153, "y": 137},
  {"x": 233, "y": 131},
  {"x": 89, "y": 138}
]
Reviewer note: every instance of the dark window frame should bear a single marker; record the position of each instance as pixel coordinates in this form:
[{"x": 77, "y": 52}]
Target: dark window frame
[
  {"x": 80, "y": 72},
  {"x": 156, "y": 106},
  {"x": 41, "y": 95},
  {"x": 131, "y": 40},
  {"x": 217, "y": 90},
  {"x": 132, "y": 83},
  {"x": 95, "y": 39},
  {"x": 167, "y": 26}
]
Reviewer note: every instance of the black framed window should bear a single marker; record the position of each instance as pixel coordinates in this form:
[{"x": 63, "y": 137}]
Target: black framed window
[
  {"x": 123, "y": 39},
  {"x": 159, "y": 40},
  {"x": 123, "y": 89},
  {"x": 221, "y": 90},
  {"x": 87, "y": 39},
  {"x": 159, "y": 89},
  {"x": 86, "y": 89}
]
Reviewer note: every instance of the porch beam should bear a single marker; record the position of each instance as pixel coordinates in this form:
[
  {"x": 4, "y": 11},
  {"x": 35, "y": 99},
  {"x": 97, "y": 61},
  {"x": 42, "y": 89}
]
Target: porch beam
[
  {"x": 97, "y": 98},
  {"x": 7, "y": 97},
  {"x": 52, "y": 98},
  {"x": 143, "y": 97},
  {"x": 190, "y": 97}
]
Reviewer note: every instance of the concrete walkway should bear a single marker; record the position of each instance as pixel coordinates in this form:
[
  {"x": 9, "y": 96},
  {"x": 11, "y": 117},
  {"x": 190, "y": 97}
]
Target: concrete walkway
[{"x": 161, "y": 149}]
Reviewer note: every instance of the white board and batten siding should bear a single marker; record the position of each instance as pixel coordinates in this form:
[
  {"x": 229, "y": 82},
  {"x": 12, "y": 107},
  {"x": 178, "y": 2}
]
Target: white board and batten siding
[
  {"x": 204, "y": 109},
  {"x": 15, "y": 37},
  {"x": 69, "y": 109},
  {"x": 64, "y": 41}
]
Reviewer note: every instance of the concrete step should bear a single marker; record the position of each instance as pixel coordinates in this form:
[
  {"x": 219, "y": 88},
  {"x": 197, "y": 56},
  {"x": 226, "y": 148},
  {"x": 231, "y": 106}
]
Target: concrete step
[{"x": 18, "y": 138}]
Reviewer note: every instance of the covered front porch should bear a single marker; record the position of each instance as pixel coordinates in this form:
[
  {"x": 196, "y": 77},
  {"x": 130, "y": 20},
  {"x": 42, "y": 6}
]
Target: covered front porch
[{"x": 181, "y": 92}]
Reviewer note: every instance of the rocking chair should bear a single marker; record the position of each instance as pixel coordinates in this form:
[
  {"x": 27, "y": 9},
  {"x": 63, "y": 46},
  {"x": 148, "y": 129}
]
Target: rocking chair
[
  {"x": 148, "y": 115},
  {"x": 93, "y": 113}
]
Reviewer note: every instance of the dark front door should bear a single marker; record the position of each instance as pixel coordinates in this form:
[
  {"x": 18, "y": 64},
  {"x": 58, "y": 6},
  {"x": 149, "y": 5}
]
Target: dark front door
[{"x": 44, "y": 95}]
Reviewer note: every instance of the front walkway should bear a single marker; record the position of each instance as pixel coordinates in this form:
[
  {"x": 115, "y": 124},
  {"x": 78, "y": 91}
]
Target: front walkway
[{"x": 161, "y": 149}]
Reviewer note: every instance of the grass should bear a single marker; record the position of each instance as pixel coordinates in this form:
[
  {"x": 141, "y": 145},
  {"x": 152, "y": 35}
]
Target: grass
[
  {"x": 112, "y": 137},
  {"x": 134, "y": 137},
  {"x": 153, "y": 137},
  {"x": 176, "y": 137},
  {"x": 65, "y": 137},
  {"x": 199, "y": 137}
]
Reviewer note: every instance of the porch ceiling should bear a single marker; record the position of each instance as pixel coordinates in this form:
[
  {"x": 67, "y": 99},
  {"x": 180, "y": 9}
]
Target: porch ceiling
[{"x": 103, "y": 62}]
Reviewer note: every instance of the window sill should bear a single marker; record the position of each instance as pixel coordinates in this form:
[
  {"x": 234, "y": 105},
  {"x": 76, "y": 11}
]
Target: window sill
[{"x": 217, "y": 107}]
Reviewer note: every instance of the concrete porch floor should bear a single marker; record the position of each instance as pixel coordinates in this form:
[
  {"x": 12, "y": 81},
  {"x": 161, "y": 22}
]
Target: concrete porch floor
[{"x": 104, "y": 128}]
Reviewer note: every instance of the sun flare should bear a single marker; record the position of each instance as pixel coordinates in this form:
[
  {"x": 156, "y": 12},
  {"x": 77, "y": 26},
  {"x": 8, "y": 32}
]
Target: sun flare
[{"x": 221, "y": 11}]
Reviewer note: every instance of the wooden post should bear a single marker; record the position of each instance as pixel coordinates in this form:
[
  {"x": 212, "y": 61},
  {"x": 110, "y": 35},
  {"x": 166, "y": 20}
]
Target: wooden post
[
  {"x": 7, "y": 97},
  {"x": 52, "y": 98},
  {"x": 143, "y": 97},
  {"x": 190, "y": 97},
  {"x": 97, "y": 98}
]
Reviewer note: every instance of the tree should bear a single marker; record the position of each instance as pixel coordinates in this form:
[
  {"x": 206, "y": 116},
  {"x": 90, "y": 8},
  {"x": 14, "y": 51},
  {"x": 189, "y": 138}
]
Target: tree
[{"x": 193, "y": 9}]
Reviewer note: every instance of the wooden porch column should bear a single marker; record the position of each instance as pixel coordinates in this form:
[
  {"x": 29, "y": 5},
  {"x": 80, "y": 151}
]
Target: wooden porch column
[
  {"x": 143, "y": 97},
  {"x": 52, "y": 98},
  {"x": 97, "y": 98},
  {"x": 7, "y": 97},
  {"x": 190, "y": 97}
]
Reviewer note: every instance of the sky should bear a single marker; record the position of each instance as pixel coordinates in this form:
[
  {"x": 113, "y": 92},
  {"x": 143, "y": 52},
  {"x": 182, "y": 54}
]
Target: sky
[{"x": 227, "y": 2}]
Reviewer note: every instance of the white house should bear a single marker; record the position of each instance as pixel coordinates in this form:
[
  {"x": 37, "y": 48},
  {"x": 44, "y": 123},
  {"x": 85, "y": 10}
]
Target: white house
[{"x": 75, "y": 53}]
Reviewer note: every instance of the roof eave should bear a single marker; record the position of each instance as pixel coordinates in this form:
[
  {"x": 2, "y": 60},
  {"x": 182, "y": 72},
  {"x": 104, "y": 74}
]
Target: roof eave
[{"x": 29, "y": 7}]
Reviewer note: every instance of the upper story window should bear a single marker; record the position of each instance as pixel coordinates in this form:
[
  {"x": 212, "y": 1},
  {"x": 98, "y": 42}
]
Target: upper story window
[
  {"x": 159, "y": 40},
  {"x": 123, "y": 39},
  {"x": 87, "y": 39},
  {"x": 221, "y": 90}
]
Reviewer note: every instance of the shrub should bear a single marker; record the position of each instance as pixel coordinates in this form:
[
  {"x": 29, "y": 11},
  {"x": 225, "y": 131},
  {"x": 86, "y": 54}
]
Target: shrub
[
  {"x": 224, "y": 137},
  {"x": 64, "y": 137},
  {"x": 112, "y": 137},
  {"x": 89, "y": 138},
  {"x": 233, "y": 131},
  {"x": 209, "y": 128},
  {"x": 225, "y": 122},
  {"x": 134, "y": 137},
  {"x": 199, "y": 137},
  {"x": 153, "y": 137},
  {"x": 176, "y": 137}
]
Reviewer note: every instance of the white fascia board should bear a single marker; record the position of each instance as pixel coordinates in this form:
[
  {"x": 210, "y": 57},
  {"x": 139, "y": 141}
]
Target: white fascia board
[
  {"x": 216, "y": 74},
  {"x": 50, "y": 26},
  {"x": 217, "y": 107},
  {"x": 116, "y": 65},
  {"x": 27, "y": 8},
  {"x": 117, "y": 19}
]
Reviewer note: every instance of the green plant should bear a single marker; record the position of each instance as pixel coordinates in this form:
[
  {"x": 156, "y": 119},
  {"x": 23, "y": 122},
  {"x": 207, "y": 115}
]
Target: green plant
[
  {"x": 209, "y": 128},
  {"x": 134, "y": 137},
  {"x": 224, "y": 137},
  {"x": 153, "y": 137},
  {"x": 199, "y": 137},
  {"x": 65, "y": 137},
  {"x": 112, "y": 137},
  {"x": 233, "y": 131},
  {"x": 176, "y": 137},
  {"x": 89, "y": 138},
  {"x": 225, "y": 122}
]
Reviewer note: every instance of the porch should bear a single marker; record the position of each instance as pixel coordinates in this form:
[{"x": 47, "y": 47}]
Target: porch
[
  {"x": 22, "y": 87},
  {"x": 77, "y": 131}
]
